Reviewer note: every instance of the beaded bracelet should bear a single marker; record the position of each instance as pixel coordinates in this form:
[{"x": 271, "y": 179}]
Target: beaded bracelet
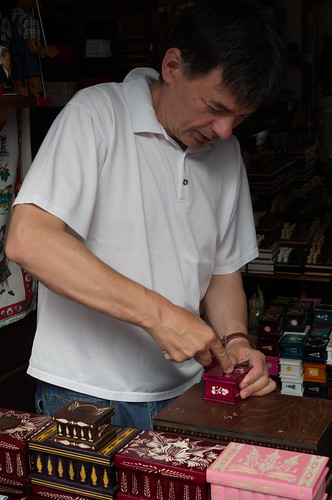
[{"x": 237, "y": 335}]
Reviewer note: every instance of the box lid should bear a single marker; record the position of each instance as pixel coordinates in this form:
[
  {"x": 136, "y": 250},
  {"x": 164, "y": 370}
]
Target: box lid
[
  {"x": 17, "y": 427},
  {"x": 267, "y": 470},
  {"x": 168, "y": 455},
  {"x": 217, "y": 374}
]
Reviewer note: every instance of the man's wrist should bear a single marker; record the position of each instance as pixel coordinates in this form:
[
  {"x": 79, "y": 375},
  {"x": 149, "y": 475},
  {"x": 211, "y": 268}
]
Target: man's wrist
[{"x": 237, "y": 335}]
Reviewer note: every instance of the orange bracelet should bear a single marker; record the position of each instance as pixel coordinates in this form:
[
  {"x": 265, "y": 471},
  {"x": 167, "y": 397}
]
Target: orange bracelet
[{"x": 237, "y": 335}]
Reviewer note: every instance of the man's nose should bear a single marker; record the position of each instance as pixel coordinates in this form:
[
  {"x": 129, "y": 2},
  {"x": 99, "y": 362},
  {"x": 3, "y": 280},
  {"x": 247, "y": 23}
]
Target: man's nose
[{"x": 223, "y": 127}]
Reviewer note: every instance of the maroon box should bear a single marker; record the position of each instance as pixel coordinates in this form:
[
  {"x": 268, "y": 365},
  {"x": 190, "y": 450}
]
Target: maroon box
[
  {"x": 16, "y": 428},
  {"x": 224, "y": 387},
  {"x": 165, "y": 466}
]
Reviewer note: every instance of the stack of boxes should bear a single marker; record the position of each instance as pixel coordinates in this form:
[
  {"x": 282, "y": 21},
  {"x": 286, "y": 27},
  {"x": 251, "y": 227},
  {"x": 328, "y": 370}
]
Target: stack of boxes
[
  {"x": 16, "y": 428},
  {"x": 296, "y": 337},
  {"x": 271, "y": 331},
  {"x": 75, "y": 453},
  {"x": 315, "y": 353},
  {"x": 297, "y": 321}
]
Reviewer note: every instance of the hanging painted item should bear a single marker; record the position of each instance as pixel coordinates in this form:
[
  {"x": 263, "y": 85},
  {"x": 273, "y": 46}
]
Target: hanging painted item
[{"x": 17, "y": 288}]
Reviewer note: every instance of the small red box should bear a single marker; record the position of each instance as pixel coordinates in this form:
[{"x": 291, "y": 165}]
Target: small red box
[
  {"x": 258, "y": 472},
  {"x": 224, "y": 387},
  {"x": 165, "y": 466}
]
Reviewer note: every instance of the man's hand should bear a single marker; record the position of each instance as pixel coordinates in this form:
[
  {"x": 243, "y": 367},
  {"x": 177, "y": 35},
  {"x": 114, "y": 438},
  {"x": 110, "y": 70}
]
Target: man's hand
[
  {"x": 257, "y": 381},
  {"x": 182, "y": 335}
]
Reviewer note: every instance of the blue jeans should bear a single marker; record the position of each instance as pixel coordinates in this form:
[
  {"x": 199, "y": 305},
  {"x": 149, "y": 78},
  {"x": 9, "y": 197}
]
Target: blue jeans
[{"x": 50, "y": 398}]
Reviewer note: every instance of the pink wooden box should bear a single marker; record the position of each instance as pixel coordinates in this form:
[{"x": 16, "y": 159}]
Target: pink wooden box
[
  {"x": 263, "y": 473},
  {"x": 223, "y": 387},
  {"x": 157, "y": 465}
]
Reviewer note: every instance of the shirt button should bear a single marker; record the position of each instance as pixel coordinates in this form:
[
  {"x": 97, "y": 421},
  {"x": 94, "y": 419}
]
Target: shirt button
[{"x": 185, "y": 182}]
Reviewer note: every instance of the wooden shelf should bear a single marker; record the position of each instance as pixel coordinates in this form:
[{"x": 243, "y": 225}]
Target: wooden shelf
[{"x": 293, "y": 277}]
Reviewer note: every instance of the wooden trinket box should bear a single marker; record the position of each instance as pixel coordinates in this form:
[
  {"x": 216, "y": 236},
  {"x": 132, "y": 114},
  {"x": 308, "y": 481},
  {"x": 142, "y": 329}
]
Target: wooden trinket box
[
  {"x": 314, "y": 350},
  {"x": 165, "y": 466},
  {"x": 292, "y": 346},
  {"x": 224, "y": 387},
  {"x": 16, "y": 428},
  {"x": 291, "y": 367},
  {"x": 84, "y": 472},
  {"x": 269, "y": 345},
  {"x": 275, "y": 420},
  {"x": 323, "y": 315},
  {"x": 298, "y": 316},
  {"x": 315, "y": 372},
  {"x": 314, "y": 390},
  {"x": 84, "y": 425},
  {"x": 257, "y": 472},
  {"x": 292, "y": 387},
  {"x": 39, "y": 492},
  {"x": 272, "y": 363}
]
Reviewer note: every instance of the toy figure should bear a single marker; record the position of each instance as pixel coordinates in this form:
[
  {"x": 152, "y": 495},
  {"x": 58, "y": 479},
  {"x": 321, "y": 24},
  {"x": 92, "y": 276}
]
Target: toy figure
[
  {"x": 22, "y": 33},
  {"x": 5, "y": 68}
]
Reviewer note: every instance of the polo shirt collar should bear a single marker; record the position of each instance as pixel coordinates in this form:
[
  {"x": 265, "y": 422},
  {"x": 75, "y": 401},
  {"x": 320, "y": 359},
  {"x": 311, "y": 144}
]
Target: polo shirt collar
[{"x": 137, "y": 93}]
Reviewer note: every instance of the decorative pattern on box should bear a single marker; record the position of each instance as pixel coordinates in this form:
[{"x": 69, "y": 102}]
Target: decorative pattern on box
[
  {"x": 224, "y": 387},
  {"x": 323, "y": 315},
  {"x": 16, "y": 428},
  {"x": 91, "y": 472},
  {"x": 268, "y": 471},
  {"x": 84, "y": 425},
  {"x": 52, "y": 494},
  {"x": 164, "y": 466}
]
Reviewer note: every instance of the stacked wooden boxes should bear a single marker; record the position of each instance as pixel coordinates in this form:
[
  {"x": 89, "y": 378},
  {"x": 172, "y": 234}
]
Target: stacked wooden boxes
[
  {"x": 254, "y": 472},
  {"x": 316, "y": 354},
  {"x": 270, "y": 332},
  {"x": 16, "y": 428},
  {"x": 75, "y": 453}
]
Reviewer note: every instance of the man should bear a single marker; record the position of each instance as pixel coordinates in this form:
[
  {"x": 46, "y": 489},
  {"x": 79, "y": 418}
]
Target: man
[{"x": 136, "y": 208}]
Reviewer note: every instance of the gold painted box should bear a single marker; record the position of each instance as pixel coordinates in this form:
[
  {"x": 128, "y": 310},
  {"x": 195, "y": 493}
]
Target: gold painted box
[
  {"x": 74, "y": 470},
  {"x": 257, "y": 472},
  {"x": 160, "y": 466}
]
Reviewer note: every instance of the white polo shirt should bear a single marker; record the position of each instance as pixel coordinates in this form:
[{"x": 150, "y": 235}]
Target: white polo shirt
[{"x": 163, "y": 217}]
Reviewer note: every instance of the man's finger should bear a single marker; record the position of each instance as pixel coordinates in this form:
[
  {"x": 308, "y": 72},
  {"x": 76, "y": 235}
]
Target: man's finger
[{"x": 220, "y": 353}]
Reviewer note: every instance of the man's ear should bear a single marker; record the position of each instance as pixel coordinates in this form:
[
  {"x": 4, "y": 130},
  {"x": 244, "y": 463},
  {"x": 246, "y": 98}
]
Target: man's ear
[{"x": 171, "y": 64}]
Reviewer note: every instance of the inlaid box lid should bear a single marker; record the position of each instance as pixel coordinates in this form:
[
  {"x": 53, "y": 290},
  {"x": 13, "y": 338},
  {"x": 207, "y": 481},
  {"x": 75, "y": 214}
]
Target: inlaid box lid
[
  {"x": 170, "y": 456},
  {"x": 282, "y": 473}
]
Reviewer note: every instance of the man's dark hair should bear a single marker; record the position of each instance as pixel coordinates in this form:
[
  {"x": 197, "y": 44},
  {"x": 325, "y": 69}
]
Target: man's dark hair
[{"x": 239, "y": 37}]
